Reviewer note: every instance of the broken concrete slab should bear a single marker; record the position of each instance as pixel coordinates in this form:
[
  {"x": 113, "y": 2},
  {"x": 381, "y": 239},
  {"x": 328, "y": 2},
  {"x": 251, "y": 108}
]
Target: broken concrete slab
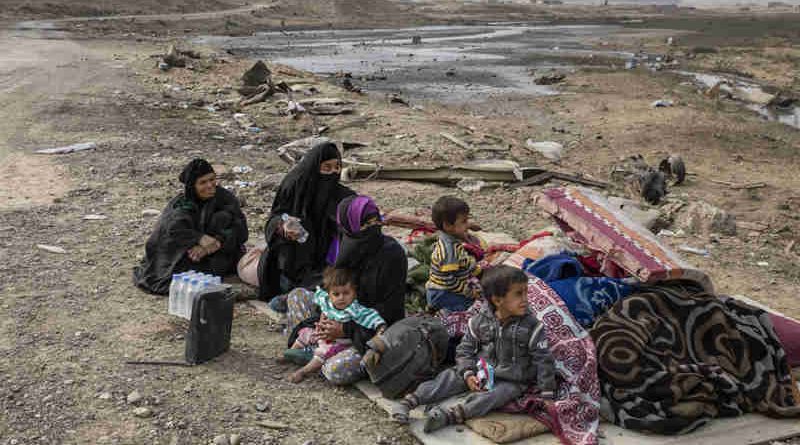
[
  {"x": 449, "y": 175},
  {"x": 67, "y": 149}
]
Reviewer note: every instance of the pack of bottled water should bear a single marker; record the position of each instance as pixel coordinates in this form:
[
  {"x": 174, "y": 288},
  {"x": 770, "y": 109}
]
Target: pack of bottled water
[{"x": 184, "y": 289}]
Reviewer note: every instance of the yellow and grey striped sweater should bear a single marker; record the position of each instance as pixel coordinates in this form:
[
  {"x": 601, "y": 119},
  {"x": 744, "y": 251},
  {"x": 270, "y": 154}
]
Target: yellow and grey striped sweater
[{"x": 451, "y": 266}]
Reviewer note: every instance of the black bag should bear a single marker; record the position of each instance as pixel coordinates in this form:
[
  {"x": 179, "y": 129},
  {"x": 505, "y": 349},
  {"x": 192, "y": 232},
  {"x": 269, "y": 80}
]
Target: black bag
[
  {"x": 410, "y": 352},
  {"x": 210, "y": 326}
]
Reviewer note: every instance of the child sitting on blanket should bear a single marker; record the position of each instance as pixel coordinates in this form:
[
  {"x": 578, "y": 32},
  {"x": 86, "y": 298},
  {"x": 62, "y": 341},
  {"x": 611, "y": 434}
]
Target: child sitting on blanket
[
  {"x": 337, "y": 302},
  {"x": 452, "y": 284},
  {"x": 503, "y": 335}
]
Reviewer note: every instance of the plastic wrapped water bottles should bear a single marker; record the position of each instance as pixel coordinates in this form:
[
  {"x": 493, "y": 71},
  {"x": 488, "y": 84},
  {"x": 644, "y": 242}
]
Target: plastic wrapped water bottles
[{"x": 184, "y": 290}]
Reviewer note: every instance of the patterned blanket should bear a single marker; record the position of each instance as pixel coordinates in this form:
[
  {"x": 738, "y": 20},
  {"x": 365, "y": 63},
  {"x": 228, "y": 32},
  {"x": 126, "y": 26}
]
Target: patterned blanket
[
  {"x": 575, "y": 415},
  {"x": 590, "y": 220},
  {"x": 672, "y": 358}
]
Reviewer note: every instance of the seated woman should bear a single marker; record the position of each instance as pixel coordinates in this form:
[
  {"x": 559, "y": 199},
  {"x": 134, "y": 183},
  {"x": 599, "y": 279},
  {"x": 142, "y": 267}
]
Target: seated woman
[
  {"x": 310, "y": 191},
  {"x": 201, "y": 229},
  {"x": 380, "y": 265}
]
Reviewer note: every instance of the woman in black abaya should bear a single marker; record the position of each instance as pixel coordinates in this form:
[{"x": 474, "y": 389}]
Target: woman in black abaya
[
  {"x": 202, "y": 229},
  {"x": 311, "y": 191}
]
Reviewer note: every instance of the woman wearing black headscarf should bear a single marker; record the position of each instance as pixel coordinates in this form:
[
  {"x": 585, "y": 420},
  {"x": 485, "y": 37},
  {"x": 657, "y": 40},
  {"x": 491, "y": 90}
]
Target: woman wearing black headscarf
[
  {"x": 310, "y": 191},
  {"x": 380, "y": 265},
  {"x": 202, "y": 229}
]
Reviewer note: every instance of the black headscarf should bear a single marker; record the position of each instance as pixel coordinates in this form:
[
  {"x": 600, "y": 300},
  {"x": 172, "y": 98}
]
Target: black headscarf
[
  {"x": 194, "y": 170},
  {"x": 312, "y": 197},
  {"x": 356, "y": 245}
]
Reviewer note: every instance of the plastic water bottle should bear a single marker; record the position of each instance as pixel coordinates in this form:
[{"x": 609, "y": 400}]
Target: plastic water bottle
[
  {"x": 194, "y": 288},
  {"x": 173, "y": 293},
  {"x": 180, "y": 293},
  {"x": 292, "y": 223}
]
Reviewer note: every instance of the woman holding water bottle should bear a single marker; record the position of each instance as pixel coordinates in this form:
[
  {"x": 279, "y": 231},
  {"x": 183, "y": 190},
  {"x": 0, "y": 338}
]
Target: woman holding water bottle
[
  {"x": 301, "y": 229},
  {"x": 201, "y": 229}
]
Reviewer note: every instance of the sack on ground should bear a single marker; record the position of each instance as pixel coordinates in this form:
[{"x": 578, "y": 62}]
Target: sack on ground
[{"x": 411, "y": 351}]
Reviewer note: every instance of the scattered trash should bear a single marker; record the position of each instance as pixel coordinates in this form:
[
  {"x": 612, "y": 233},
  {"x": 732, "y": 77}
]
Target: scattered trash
[
  {"x": 470, "y": 185},
  {"x": 211, "y": 109},
  {"x": 243, "y": 120},
  {"x": 163, "y": 66},
  {"x": 67, "y": 149},
  {"x": 550, "y": 79},
  {"x": 242, "y": 169},
  {"x": 326, "y": 106},
  {"x": 347, "y": 84},
  {"x": 263, "y": 407},
  {"x": 151, "y": 212},
  {"x": 662, "y": 103},
  {"x": 254, "y": 130},
  {"x": 668, "y": 233},
  {"x": 94, "y": 217},
  {"x": 244, "y": 184},
  {"x": 51, "y": 249},
  {"x": 694, "y": 250},
  {"x": 762, "y": 264},
  {"x": 293, "y": 108},
  {"x": 631, "y": 64},
  {"x": 550, "y": 150},
  {"x": 416, "y": 40},
  {"x": 247, "y": 147},
  {"x": 217, "y": 137}
]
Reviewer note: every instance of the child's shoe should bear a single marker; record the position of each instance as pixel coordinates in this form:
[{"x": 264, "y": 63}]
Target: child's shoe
[
  {"x": 400, "y": 410},
  {"x": 298, "y": 356},
  {"x": 436, "y": 420}
]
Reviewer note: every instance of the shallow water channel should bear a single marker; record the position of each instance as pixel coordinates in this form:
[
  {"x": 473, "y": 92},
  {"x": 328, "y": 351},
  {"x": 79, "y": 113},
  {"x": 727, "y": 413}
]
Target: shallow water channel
[{"x": 451, "y": 64}]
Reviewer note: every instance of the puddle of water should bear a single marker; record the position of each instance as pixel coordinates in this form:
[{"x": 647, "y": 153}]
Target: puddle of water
[
  {"x": 788, "y": 116},
  {"x": 452, "y": 64}
]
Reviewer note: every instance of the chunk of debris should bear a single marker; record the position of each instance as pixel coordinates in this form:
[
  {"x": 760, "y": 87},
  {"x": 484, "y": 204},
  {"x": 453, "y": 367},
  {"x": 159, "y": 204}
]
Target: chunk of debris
[
  {"x": 550, "y": 79},
  {"x": 395, "y": 98},
  {"x": 94, "y": 217},
  {"x": 67, "y": 149},
  {"x": 416, "y": 40},
  {"x": 257, "y": 75},
  {"x": 662, "y": 103},
  {"x": 347, "y": 84},
  {"x": 673, "y": 167},
  {"x": 51, "y": 249},
  {"x": 702, "y": 218},
  {"x": 549, "y": 149},
  {"x": 646, "y": 217},
  {"x": 150, "y": 212}
]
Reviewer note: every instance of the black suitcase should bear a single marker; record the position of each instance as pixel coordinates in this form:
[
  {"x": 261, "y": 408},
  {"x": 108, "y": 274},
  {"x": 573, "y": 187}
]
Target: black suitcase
[{"x": 209, "y": 332}]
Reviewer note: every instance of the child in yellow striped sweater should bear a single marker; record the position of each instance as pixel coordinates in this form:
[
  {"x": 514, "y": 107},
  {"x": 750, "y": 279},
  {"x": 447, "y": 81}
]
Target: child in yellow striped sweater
[{"x": 452, "y": 267}]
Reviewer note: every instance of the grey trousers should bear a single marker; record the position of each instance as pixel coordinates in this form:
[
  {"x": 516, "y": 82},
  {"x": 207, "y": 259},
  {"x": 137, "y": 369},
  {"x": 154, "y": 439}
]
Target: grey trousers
[{"x": 448, "y": 383}]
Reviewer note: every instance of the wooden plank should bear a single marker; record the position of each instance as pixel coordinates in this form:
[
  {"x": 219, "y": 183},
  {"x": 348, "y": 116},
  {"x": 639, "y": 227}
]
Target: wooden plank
[{"x": 457, "y": 141}]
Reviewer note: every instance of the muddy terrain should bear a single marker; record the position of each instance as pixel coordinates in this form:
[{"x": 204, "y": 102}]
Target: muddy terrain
[{"x": 70, "y": 322}]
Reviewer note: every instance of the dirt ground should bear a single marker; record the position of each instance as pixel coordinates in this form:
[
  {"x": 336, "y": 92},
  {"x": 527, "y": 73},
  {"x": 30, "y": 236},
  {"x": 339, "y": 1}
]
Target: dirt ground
[{"x": 68, "y": 323}]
